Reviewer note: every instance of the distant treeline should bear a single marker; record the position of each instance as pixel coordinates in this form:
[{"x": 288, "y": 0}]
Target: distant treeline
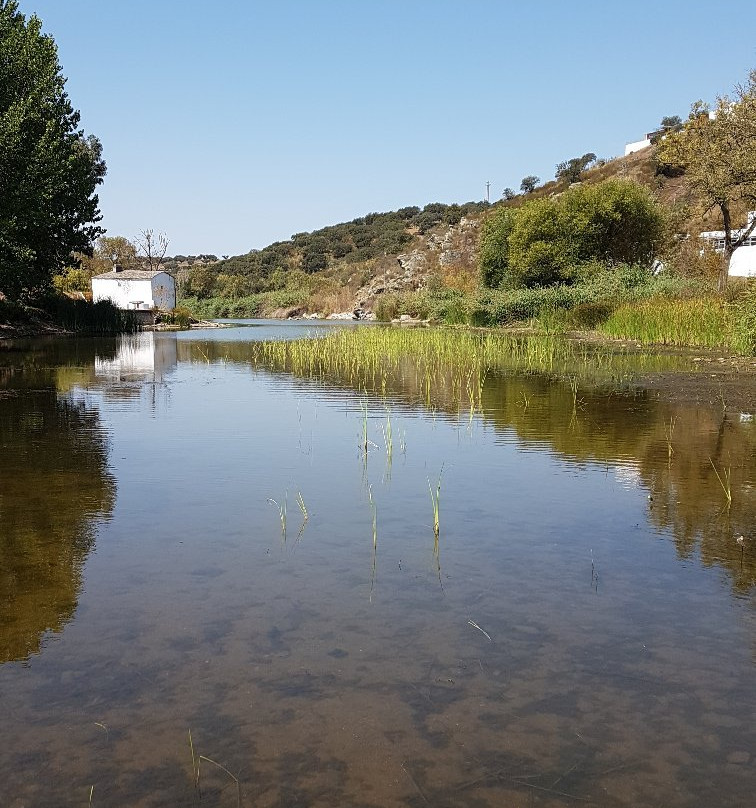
[{"x": 366, "y": 237}]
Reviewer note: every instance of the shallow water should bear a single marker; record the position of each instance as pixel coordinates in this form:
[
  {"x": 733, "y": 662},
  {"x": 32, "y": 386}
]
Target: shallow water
[{"x": 581, "y": 633}]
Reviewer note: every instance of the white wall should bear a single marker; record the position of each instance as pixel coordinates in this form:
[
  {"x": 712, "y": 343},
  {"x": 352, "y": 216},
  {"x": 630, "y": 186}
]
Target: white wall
[
  {"x": 164, "y": 291},
  {"x": 158, "y": 292},
  {"x": 123, "y": 292},
  {"x": 743, "y": 263},
  {"x": 637, "y": 146}
]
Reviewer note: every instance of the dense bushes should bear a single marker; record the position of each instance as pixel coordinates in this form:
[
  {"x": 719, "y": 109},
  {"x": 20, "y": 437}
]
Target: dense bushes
[
  {"x": 544, "y": 241},
  {"x": 594, "y": 292}
]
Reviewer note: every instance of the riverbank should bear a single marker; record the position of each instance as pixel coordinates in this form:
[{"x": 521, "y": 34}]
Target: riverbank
[{"x": 719, "y": 378}]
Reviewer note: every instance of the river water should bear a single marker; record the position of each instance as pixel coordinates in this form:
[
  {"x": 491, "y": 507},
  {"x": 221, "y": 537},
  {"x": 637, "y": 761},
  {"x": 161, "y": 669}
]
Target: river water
[{"x": 173, "y": 631}]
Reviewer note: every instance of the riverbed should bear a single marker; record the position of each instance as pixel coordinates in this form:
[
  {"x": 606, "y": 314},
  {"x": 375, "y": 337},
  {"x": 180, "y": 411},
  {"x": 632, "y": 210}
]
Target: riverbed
[{"x": 230, "y": 582}]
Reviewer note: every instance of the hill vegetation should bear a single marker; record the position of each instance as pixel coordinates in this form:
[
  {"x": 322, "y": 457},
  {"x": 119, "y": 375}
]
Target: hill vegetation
[{"x": 607, "y": 244}]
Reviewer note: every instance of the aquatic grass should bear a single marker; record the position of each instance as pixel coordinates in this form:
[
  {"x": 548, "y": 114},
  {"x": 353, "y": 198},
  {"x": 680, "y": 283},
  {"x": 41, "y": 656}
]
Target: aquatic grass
[
  {"x": 435, "y": 502},
  {"x": 282, "y": 508},
  {"x": 195, "y": 768},
  {"x": 365, "y": 440},
  {"x": 724, "y": 481},
  {"x": 703, "y": 321},
  {"x": 223, "y": 769},
  {"x": 197, "y": 773},
  {"x": 403, "y": 441},
  {"x": 574, "y": 388},
  {"x": 388, "y": 441},
  {"x": 375, "y": 540},
  {"x": 431, "y": 365},
  {"x": 302, "y": 506},
  {"x": 668, "y": 432},
  {"x": 481, "y": 630}
]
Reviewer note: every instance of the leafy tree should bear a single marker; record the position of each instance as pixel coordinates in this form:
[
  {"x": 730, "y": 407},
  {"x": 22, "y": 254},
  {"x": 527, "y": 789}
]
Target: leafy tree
[
  {"x": 671, "y": 122},
  {"x": 49, "y": 169},
  {"x": 73, "y": 280},
  {"x": 573, "y": 169},
  {"x": 543, "y": 242},
  {"x": 493, "y": 253},
  {"x": 529, "y": 183},
  {"x": 718, "y": 157},
  {"x": 117, "y": 250},
  {"x": 508, "y": 193},
  {"x": 201, "y": 282},
  {"x": 231, "y": 285}
]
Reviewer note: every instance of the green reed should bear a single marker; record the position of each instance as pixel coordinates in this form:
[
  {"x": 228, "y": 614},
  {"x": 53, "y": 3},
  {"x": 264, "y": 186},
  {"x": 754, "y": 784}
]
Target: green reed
[
  {"x": 282, "y": 508},
  {"x": 196, "y": 771},
  {"x": 430, "y": 364},
  {"x": 375, "y": 540},
  {"x": 302, "y": 506},
  {"x": 724, "y": 481},
  {"x": 704, "y": 321},
  {"x": 435, "y": 501}
]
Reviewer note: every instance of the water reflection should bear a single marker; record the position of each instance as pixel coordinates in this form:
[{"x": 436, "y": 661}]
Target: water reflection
[
  {"x": 54, "y": 488},
  {"x": 139, "y": 358},
  {"x": 680, "y": 454},
  {"x": 573, "y": 655}
]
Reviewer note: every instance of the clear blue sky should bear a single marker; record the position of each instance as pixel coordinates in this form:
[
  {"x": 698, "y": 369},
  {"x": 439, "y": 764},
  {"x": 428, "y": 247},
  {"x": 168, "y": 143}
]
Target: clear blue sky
[{"x": 232, "y": 124}]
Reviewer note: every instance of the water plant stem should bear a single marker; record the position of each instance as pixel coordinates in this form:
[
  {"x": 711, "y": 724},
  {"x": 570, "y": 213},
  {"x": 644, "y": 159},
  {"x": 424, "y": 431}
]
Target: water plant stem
[{"x": 724, "y": 481}]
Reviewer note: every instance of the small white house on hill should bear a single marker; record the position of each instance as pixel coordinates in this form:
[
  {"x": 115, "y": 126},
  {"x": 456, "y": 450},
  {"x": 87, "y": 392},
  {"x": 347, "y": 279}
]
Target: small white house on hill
[{"x": 135, "y": 289}]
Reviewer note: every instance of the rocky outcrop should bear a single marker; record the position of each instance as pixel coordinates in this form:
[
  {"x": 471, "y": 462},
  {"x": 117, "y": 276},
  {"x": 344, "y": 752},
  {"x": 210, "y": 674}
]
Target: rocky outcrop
[{"x": 444, "y": 247}]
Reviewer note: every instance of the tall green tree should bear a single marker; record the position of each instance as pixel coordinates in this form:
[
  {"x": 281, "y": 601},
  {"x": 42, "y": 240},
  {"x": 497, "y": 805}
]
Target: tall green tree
[
  {"x": 49, "y": 169},
  {"x": 718, "y": 157}
]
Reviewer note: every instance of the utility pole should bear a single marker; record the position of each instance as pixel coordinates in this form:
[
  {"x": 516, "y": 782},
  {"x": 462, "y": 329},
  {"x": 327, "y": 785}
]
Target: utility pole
[{"x": 488, "y": 189}]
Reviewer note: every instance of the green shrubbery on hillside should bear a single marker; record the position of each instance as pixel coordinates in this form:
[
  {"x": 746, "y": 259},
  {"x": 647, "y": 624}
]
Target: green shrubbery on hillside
[
  {"x": 365, "y": 238},
  {"x": 544, "y": 241}
]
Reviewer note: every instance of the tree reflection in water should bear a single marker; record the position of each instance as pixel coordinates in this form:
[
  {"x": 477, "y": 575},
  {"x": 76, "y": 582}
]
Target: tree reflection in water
[{"x": 54, "y": 487}]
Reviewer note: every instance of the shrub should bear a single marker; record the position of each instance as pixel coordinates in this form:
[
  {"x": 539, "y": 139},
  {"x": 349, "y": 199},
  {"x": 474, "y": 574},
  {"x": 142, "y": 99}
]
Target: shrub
[
  {"x": 180, "y": 316},
  {"x": 541, "y": 243}
]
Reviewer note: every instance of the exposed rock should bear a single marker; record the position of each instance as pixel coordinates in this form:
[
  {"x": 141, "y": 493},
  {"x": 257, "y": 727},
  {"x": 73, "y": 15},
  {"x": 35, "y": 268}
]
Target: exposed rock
[{"x": 413, "y": 262}]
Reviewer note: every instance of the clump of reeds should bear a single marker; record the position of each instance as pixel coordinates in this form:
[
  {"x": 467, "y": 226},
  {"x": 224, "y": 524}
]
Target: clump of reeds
[
  {"x": 428, "y": 361},
  {"x": 704, "y": 321}
]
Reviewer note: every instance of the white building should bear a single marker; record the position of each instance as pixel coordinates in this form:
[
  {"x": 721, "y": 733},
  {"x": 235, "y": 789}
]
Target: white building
[
  {"x": 135, "y": 289},
  {"x": 743, "y": 261},
  {"x": 638, "y": 145}
]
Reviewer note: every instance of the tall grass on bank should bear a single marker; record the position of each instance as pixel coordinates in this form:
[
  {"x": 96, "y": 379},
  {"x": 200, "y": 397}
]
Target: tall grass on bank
[
  {"x": 82, "y": 316},
  {"x": 706, "y": 322},
  {"x": 79, "y": 316}
]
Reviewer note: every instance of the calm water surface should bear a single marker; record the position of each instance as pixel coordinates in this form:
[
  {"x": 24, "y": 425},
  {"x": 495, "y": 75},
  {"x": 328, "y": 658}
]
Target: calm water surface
[{"x": 581, "y": 633}]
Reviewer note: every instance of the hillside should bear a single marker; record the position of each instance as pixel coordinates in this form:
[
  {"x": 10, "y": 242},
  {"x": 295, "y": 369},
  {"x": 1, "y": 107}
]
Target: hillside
[{"x": 352, "y": 265}]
